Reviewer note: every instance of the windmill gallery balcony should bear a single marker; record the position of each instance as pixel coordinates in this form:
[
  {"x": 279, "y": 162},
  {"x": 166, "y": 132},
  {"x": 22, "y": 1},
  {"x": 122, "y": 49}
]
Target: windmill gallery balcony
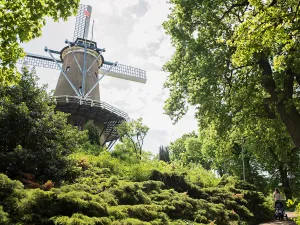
[{"x": 105, "y": 116}]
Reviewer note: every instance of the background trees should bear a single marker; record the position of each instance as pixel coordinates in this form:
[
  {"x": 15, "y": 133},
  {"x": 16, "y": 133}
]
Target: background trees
[
  {"x": 133, "y": 133},
  {"x": 93, "y": 132},
  {"x": 164, "y": 154}
]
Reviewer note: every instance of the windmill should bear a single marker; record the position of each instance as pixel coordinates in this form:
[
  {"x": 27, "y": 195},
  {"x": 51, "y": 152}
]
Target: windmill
[{"x": 82, "y": 66}]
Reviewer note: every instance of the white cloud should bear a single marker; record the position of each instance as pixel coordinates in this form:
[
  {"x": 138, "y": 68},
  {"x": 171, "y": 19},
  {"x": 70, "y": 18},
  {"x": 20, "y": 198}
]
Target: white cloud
[{"x": 149, "y": 29}]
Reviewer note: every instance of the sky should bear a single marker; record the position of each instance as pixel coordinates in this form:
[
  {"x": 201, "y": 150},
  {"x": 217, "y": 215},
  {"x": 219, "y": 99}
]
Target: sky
[{"x": 132, "y": 34}]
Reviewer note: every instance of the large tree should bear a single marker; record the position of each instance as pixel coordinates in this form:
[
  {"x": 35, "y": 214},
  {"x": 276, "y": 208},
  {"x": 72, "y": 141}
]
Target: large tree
[
  {"x": 235, "y": 59},
  {"x": 34, "y": 138},
  {"x": 21, "y": 21}
]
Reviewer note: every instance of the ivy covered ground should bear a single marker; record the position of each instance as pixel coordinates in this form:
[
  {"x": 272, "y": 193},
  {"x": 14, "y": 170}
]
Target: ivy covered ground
[{"x": 106, "y": 190}]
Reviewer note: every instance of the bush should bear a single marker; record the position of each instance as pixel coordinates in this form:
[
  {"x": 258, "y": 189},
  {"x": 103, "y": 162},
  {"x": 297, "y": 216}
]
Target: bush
[
  {"x": 93, "y": 133},
  {"x": 103, "y": 194},
  {"x": 33, "y": 137}
]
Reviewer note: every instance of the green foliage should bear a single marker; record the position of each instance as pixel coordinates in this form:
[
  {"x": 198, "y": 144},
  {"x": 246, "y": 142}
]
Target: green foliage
[
  {"x": 293, "y": 203},
  {"x": 93, "y": 132},
  {"x": 201, "y": 177},
  {"x": 163, "y": 154},
  {"x": 107, "y": 191},
  {"x": 33, "y": 137},
  {"x": 21, "y": 21},
  {"x": 298, "y": 212},
  {"x": 78, "y": 218},
  {"x": 4, "y": 219},
  {"x": 133, "y": 134},
  {"x": 178, "y": 148},
  {"x": 124, "y": 151},
  {"x": 237, "y": 62}
]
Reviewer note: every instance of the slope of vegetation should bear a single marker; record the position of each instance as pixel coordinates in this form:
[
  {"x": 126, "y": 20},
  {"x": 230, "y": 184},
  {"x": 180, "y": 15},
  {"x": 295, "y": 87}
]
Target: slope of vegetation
[
  {"x": 51, "y": 173},
  {"x": 106, "y": 190}
]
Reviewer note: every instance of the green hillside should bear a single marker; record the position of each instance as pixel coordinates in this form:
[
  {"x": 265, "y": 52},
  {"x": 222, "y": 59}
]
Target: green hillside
[{"x": 106, "y": 190}]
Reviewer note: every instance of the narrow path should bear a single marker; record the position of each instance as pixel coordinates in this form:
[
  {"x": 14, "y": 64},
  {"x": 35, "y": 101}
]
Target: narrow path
[{"x": 283, "y": 222}]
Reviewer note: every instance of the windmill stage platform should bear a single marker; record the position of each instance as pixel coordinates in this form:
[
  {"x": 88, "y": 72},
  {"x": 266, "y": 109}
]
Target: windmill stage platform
[{"x": 105, "y": 116}]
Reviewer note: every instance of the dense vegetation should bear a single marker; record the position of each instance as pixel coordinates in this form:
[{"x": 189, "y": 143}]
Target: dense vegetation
[
  {"x": 56, "y": 176},
  {"x": 237, "y": 62},
  {"x": 109, "y": 191}
]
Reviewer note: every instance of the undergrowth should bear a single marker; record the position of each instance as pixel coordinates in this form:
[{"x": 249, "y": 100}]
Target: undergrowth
[{"x": 105, "y": 190}]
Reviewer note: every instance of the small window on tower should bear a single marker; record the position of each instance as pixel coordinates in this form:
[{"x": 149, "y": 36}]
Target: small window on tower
[
  {"x": 96, "y": 74},
  {"x": 79, "y": 124},
  {"x": 68, "y": 68}
]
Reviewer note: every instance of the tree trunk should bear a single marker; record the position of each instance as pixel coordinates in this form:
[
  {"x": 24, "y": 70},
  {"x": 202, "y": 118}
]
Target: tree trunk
[
  {"x": 285, "y": 182},
  {"x": 287, "y": 111}
]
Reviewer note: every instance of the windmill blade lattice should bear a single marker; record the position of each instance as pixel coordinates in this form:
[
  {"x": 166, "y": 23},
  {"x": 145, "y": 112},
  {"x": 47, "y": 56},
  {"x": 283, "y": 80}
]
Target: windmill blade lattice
[
  {"x": 125, "y": 72},
  {"x": 82, "y": 23},
  {"x": 40, "y": 61}
]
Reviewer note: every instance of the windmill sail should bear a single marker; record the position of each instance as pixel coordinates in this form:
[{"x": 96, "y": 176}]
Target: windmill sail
[
  {"x": 124, "y": 72},
  {"x": 39, "y": 60},
  {"x": 82, "y": 23}
]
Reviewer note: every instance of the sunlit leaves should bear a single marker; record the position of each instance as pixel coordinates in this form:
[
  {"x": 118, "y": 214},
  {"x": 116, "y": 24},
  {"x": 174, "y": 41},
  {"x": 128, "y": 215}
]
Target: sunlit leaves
[
  {"x": 133, "y": 133},
  {"x": 21, "y": 21},
  {"x": 33, "y": 137},
  {"x": 217, "y": 64}
]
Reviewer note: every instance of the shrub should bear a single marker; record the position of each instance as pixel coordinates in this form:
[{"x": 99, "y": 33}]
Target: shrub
[
  {"x": 79, "y": 219},
  {"x": 4, "y": 217},
  {"x": 93, "y": 132},
  {"x": 34, "y": 138}
]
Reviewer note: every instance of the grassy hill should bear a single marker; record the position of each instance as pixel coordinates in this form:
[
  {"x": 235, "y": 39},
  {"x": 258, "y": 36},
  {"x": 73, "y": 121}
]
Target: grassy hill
[{"x": 105, "y": 190}]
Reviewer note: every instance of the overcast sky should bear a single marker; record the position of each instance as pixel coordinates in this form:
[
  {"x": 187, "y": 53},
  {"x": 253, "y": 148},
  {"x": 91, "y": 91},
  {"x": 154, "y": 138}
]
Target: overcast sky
[{"x": 131, "y": 33}]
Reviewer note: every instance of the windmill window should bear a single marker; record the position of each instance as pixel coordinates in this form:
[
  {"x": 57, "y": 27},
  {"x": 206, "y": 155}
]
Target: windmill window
[
  {"x": 96, "y": 74},
  {"x": 68, "y": 68}
]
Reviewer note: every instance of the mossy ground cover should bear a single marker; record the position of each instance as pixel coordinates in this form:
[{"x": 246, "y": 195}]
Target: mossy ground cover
[{"x": 104, "y": 190}]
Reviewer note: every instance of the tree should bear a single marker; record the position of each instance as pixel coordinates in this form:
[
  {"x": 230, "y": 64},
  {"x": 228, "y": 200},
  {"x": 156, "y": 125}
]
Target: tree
[
  {"x": 93, "y": 132},
  {"x": 34, "y": 138},
  {"x": 188, "y": 150},
  {"x": 133, "y": 132},
  {"x": 163, "y": 154},
  {"x": 177, "y": 148},
  {"x": 235, "y": 59},
  {"x": 276, "y": 153},
  {"x": 266, "y": 149},
  {"x": 21, "y": 21}
]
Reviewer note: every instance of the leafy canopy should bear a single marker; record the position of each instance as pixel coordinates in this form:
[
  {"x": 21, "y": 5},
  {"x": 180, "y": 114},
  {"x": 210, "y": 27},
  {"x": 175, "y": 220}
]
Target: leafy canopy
[
  {"x": 133, "y": 133},
  {"x": 21, "y": 21},
  {"x": 33, "y": 137},
  {"x": 235, "y": 59}
]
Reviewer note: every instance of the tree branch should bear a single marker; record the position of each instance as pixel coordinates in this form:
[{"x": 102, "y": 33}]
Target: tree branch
[
  {"x": 267, "y": 80},
  {"x": 134, "y": 145},
  {"x": 288, "y": 85},
  {"x": 244, "y": 3}
]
